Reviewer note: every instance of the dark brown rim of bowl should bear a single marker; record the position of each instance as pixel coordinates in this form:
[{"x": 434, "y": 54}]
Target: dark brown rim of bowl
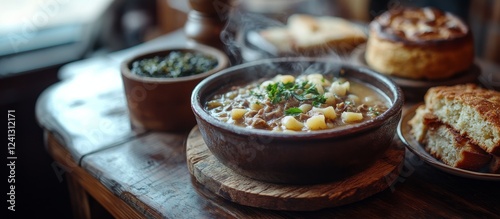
[
  {"x": 222, "y": 62},
  {"x": 394, "y": 109}
]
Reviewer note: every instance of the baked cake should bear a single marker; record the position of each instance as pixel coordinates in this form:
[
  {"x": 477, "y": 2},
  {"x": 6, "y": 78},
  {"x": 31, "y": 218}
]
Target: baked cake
[{"x": 419, "y": 43}]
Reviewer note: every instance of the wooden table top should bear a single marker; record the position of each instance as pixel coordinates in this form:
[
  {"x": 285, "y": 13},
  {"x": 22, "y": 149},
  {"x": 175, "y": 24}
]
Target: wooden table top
[{"x": 145, "y": 173}]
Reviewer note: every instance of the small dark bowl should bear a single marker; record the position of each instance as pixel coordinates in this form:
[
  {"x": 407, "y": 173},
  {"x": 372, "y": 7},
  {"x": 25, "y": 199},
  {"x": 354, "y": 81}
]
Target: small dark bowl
[
  {"x": 303, "y": 157},
  {"x": 163, "y": 104}
]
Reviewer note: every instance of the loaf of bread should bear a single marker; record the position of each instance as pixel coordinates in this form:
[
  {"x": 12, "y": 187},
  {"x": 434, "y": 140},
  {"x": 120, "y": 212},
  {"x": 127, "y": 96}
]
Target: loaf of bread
[
  {"x": 419, "y": 129},
  {"x": 328, "y": 33},
  {"x": 419, "y": 43},
  {"x": 279, "y": 37},
  {"x": 469, "y": 109},
  {"x": 310, "y": 35},
  {"x": 445, "y": 144},
  {"x": 460, "y": 125}
]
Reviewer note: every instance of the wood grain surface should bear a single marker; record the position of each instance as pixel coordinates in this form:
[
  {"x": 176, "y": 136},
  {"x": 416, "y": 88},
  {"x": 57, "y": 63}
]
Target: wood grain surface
[
  {"x": 149, "y": 175},
  {"x": 82, "y": 184},
  {"x": 207, "y": 170}
]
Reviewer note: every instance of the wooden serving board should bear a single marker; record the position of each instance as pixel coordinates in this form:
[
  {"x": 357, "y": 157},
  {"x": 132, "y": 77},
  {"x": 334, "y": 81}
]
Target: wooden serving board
[{"x": 217, "y": 178}]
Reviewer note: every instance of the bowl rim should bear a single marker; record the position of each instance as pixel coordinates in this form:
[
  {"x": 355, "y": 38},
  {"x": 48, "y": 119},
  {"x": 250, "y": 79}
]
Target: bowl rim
[
  {"x": 222, "y": 62},
  {"x": 395, "y": 107}
]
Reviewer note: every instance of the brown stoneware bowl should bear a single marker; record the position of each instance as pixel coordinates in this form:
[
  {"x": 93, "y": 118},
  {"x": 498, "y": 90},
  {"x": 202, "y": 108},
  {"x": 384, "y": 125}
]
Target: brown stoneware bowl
[
  {"x": 302, "y": 157},
  {"x": 163, "y": 104}
]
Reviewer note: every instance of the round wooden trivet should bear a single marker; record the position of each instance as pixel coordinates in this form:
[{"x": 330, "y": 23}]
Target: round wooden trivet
[{"x": 219, "y": 179}]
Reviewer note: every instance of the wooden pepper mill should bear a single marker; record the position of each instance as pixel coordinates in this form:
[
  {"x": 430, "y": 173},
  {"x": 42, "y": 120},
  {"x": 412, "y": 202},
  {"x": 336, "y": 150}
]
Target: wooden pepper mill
[{"x": 206, "y": 20}]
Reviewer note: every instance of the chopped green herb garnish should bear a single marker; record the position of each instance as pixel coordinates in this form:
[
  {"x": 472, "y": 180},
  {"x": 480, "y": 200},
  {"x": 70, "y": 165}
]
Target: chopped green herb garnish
[
  {"x": 373, "y": 112},
  {"x": 273, "y": 93},
  {"x": 293, "y": 111},
  {"x": 310, "y": 89},
  {"x": 280, "y": 91},
  {"x": 320, "y": 99}
]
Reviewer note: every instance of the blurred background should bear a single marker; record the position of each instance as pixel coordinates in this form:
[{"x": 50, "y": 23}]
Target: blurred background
[{"x": 38, "y": 37}]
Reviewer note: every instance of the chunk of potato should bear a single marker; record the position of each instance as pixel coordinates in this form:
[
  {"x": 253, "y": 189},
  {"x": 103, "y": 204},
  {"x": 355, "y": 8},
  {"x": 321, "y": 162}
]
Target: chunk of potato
[
  {"x": 328, "y": 112},
  {"x": 231, "y": 95},
  {"x": 320, "y": 88},
  {"x": 213, "y": 104},
  {"x": 237, "y": 113},
  {"x": 291, "y": 123},
  {"x": 265, "y": 84},
  {"x": 318, "y": 79},
  {"x": 315, "y": 76},
  {"x": 305, "y": 107},
  {"x": 340, "y": 89},
  {"x": 351, "y": 117},
  {"x": 353, "y": 98},
  {"x": 287, "y": 79},
  {"x": 256, "y": 106},
  {"x": 316, "y": 122},
  {"x": 308, "y": 96},
  {"x": 330, "y": 98}
]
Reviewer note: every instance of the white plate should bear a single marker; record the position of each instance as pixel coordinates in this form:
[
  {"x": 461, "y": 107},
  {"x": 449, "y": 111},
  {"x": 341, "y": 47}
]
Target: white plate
[{"x": 414, "y": 146}]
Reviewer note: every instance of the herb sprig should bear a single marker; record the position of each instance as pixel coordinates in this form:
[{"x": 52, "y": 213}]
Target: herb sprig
[
  {"x": 303, "y": 91},
  {"x": 294, "y": 111}
]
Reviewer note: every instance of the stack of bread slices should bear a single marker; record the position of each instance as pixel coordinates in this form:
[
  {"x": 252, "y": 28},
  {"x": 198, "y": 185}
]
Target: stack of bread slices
[
  {"x": 460, "y": 125},
  {"x": 310, "y": 35}
]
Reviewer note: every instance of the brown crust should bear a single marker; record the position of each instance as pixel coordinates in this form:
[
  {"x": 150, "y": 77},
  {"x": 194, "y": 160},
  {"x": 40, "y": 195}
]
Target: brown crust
[
  {"x": 485, "y": 102},
  {"x": 471, "y": 110},
  {"x": 495, "y": 164},
  {"x": 428, "y": 27},
  {"x": 332, "y": 46},
  {"x": 428, "y": 127},
  {"x": 419, "y": 43},
  {"x": 473, "y": 158},
  {"x": 470, "y": 156},
  {"x": 424, "y": 62}
]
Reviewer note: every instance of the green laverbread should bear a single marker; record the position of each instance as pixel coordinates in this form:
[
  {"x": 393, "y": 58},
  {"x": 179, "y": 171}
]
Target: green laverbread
[{"x": 175, "y": 64}]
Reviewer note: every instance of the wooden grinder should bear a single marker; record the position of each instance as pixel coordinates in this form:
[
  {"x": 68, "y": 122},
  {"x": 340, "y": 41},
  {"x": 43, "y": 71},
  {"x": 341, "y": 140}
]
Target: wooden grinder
[{"x": 206, "y": 20}]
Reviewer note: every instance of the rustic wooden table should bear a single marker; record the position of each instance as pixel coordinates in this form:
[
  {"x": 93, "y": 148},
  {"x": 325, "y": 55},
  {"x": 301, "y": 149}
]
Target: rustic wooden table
[{"x": 144, "y": 174}]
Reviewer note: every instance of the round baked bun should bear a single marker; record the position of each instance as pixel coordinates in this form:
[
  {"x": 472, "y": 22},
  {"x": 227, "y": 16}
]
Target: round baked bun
[{"x": 419, "y": 43}]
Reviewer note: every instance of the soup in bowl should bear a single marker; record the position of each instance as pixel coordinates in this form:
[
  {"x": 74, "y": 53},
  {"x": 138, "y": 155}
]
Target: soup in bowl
[{"x": 297, "y": 120}]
